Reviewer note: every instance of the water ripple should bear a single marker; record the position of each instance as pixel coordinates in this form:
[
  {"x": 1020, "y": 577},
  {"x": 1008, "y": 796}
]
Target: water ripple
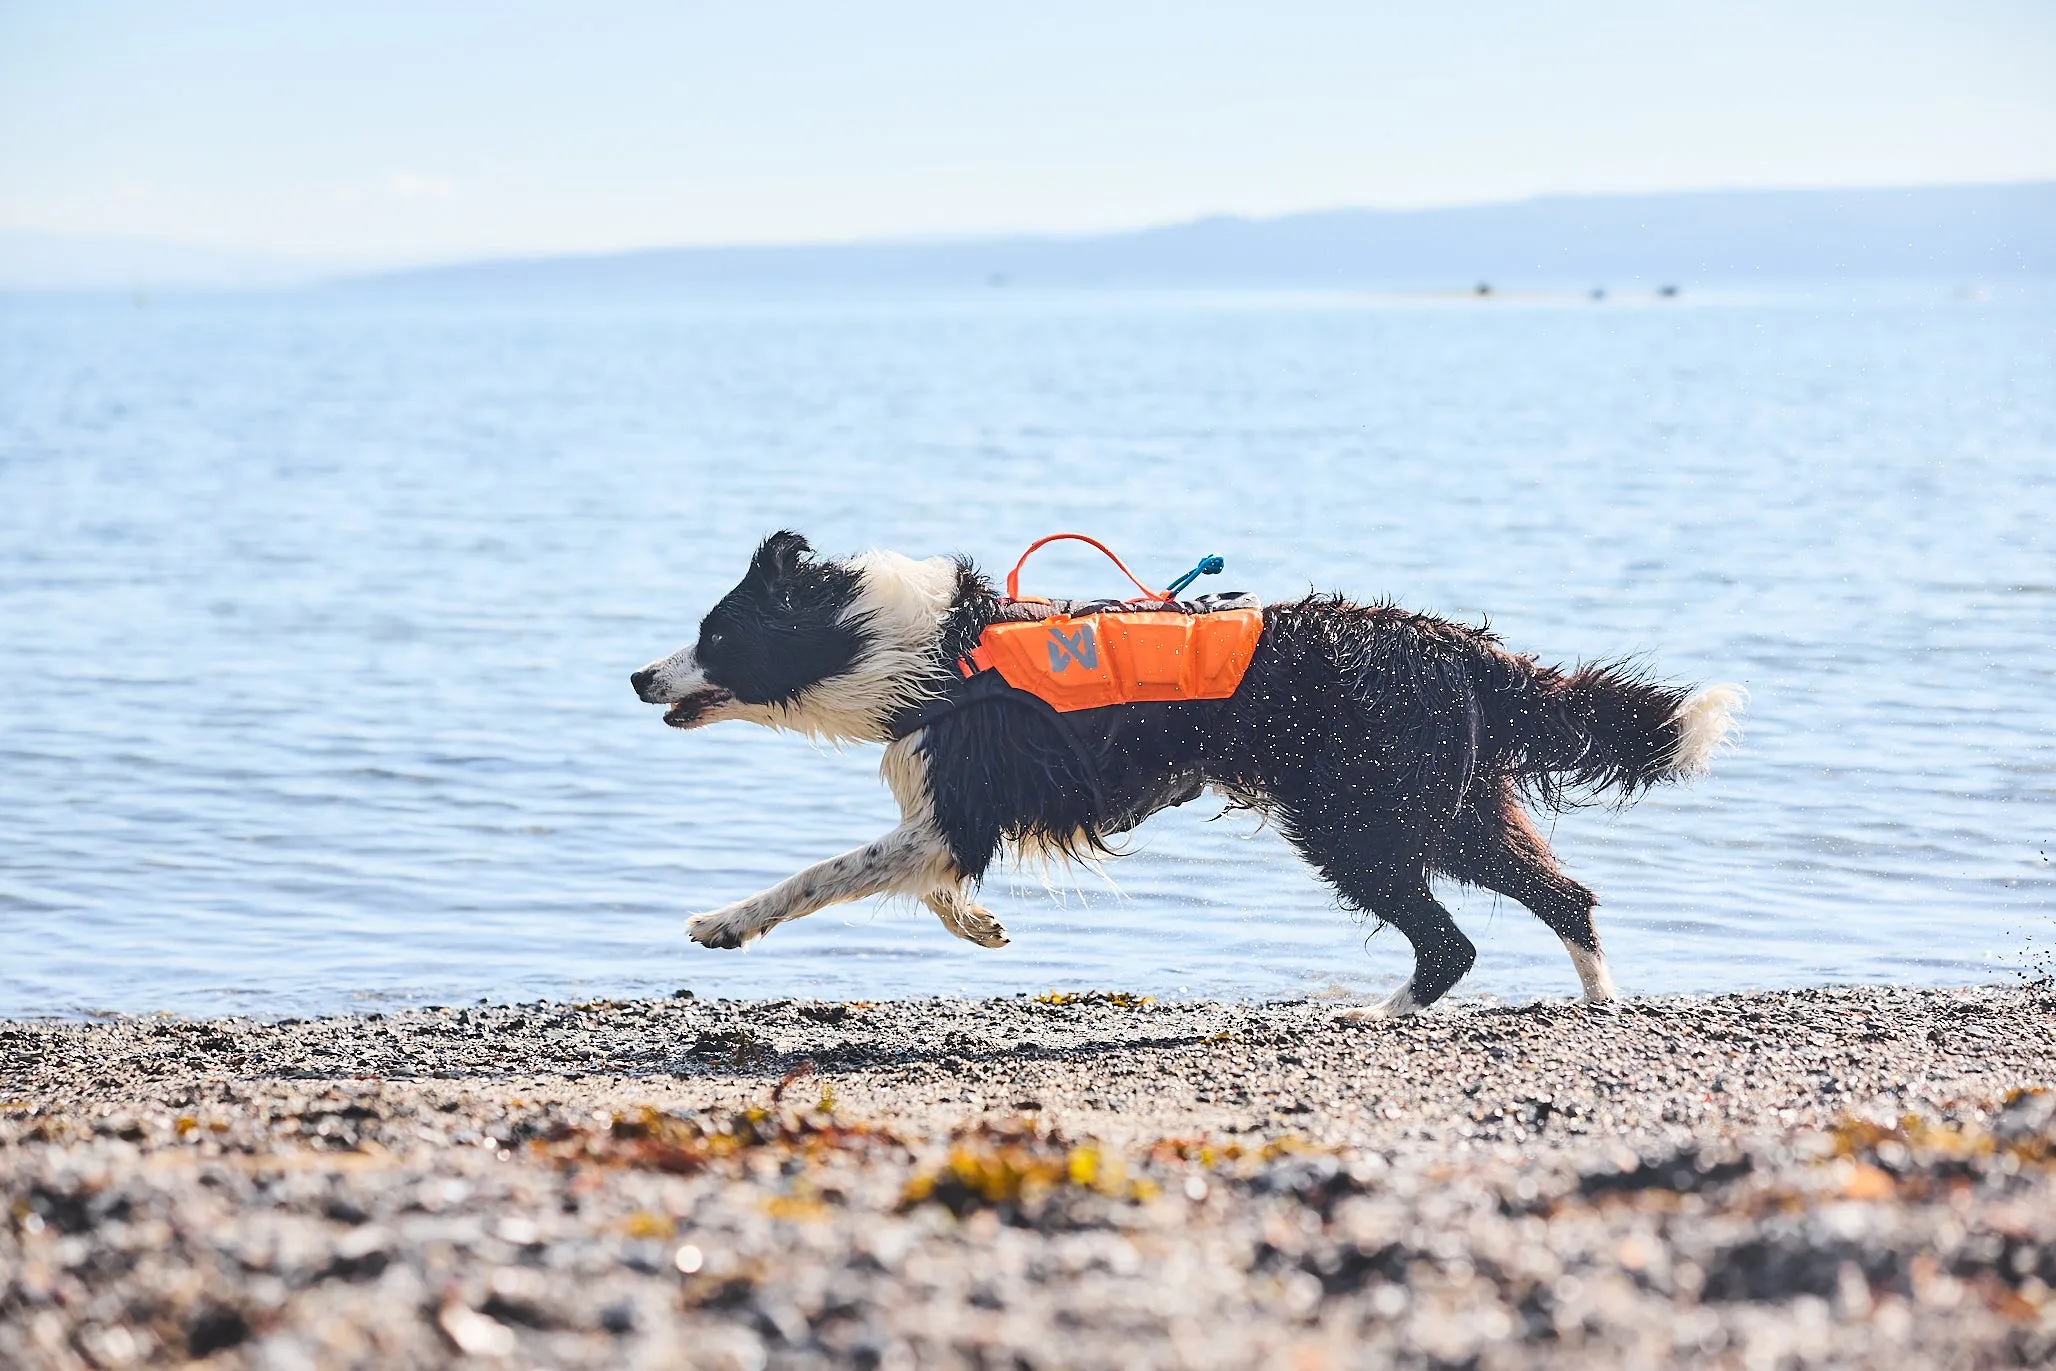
[{"x": 318, "y": 616}]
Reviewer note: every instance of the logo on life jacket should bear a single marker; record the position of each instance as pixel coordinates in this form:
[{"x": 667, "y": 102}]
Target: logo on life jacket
[{"x": 1080, "y": 647}]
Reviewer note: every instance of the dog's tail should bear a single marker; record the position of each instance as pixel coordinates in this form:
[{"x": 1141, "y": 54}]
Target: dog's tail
[{"x": 1609, "y": 727}]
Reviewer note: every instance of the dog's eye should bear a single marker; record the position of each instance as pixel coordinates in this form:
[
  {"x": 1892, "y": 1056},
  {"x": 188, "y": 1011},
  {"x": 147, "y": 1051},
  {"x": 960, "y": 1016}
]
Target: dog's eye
[{"x": 715, "y": 639}]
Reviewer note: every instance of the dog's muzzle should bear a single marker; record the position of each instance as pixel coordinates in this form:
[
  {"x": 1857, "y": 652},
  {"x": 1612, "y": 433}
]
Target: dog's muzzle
[{"x": 677, "y": 681}]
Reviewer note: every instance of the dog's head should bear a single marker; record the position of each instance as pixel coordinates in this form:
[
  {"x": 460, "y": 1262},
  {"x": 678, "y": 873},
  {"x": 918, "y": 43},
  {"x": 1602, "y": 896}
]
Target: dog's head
[{"x": 824, "y": 646}]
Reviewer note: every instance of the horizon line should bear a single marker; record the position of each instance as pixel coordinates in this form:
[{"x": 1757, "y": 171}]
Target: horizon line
[{"x": 345, "y": 267}]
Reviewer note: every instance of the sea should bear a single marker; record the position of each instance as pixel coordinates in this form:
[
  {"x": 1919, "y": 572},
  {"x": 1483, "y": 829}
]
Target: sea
[{"x": 317, "y": 611}]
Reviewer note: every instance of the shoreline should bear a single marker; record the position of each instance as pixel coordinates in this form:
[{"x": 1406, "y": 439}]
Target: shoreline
[
  {"x": 1855, "y": 1176},
  {"x": 1334, "y": 995}
]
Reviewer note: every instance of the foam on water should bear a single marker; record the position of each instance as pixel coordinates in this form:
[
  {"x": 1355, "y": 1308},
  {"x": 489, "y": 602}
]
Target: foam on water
[{"x": 317, "y": 618}]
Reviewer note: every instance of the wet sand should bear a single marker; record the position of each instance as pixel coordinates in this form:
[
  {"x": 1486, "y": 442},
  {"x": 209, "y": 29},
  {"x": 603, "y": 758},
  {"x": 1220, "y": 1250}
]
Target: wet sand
[{"x": 1847, "y": 1177}]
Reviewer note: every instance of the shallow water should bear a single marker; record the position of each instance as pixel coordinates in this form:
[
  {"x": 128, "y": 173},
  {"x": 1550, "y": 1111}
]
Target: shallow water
[{"x": 317, "y": 617}]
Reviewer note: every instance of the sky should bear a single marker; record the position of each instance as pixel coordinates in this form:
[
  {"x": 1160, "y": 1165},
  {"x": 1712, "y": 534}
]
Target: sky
[{"x": 382, "y": 132}]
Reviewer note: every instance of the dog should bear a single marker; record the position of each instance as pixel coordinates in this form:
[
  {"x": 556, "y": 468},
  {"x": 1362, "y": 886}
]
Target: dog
[{"x": 1389, "y": 747}]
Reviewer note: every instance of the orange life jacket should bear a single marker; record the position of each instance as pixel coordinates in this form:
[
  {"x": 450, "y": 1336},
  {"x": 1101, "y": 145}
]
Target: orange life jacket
[
  {"x": 1118, "y": 657},
  {"x": 1123, "y": 656}
]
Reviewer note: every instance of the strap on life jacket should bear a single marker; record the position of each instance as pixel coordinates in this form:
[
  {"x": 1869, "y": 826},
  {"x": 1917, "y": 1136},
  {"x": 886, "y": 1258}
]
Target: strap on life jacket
[
  {"x": 990, "y": 688},
  {"x": 1014, "y": 576}
]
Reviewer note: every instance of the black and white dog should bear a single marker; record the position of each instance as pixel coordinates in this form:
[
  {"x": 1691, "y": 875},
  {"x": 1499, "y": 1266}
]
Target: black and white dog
[{"x": 1389, "y": 747}]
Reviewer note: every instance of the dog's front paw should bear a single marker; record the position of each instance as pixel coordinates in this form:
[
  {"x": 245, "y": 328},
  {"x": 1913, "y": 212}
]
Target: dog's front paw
[
  {"x": 975, "y": 924},
  {"x": 722, "y": 928}
]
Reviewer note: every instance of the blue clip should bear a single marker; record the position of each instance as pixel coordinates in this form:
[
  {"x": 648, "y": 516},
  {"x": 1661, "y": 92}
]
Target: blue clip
[{"x": 1209, "y": 565}]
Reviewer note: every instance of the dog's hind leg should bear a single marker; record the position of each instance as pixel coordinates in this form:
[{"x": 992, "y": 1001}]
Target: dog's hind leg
[
  {"x": 971, "y": 922},
  {"x": 1442, "y": 954},
  {"x": 1494, "y": 844},
  {"x": 1372, "y": 874},
  {"x": 913, "y": 859}
]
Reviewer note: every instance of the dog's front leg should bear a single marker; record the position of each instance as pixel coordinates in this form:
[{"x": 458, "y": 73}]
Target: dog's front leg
[
  {"x": 910, "y": 860},
  {"x": 906, "y": 771}
]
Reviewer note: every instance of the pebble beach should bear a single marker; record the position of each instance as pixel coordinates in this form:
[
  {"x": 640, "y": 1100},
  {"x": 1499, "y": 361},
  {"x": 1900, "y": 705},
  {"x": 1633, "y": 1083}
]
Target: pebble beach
[{"x": 1854, "y": 1177}]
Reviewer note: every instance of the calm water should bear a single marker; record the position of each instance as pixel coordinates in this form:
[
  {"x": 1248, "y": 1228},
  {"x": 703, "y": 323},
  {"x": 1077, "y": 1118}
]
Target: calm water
[{"x": 316, "y": 619}]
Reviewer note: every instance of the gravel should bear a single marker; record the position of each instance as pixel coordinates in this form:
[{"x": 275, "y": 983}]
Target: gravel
[{"x": 1840, "y": 1177}]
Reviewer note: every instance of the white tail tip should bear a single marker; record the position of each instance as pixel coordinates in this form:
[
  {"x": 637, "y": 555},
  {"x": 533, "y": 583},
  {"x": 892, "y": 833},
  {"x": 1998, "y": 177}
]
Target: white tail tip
[{"x": 1706, "y": 726}]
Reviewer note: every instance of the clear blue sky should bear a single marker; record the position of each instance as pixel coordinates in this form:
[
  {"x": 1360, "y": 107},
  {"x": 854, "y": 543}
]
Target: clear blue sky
[{"x": 388, "y": 131}]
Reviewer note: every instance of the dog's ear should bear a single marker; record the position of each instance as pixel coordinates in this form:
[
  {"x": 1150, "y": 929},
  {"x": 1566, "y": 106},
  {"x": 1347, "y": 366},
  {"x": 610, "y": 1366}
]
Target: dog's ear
[
  {"x": 780, "y": 555},
  {"x": 777, "y": 563}
]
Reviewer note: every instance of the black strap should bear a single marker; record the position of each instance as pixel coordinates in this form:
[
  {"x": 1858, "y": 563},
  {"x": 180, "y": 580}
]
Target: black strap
[{"x": 989, "y": 687}]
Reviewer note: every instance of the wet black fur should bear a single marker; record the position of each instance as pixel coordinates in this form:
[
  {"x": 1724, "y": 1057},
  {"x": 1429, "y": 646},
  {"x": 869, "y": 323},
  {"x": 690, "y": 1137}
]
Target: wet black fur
[{"x": 1390, "y": 747}]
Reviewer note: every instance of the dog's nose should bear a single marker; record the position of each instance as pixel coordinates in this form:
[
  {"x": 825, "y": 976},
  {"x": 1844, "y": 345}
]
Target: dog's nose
[{"x": 641, "y": 681}]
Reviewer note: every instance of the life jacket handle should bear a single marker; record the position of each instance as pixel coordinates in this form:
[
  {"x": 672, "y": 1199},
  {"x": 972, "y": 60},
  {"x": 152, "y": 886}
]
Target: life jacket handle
[{"x": 1014, "y": 576}]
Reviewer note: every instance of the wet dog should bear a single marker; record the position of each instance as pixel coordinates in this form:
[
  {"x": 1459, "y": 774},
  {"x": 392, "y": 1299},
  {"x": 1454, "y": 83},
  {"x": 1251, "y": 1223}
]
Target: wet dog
[{"x": 1389, "y": 747}]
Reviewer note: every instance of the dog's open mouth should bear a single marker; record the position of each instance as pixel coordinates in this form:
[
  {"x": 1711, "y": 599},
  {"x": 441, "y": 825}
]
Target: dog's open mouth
[{"x": 693, "y": 710}]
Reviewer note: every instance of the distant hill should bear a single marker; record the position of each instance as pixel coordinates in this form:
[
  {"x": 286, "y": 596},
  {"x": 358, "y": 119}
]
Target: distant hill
[
  {"x": 1955, "y": 233},
  {"x": 1699, "y": 238}
]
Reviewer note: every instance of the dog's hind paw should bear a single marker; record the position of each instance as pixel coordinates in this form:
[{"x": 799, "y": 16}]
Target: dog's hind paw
[
  {"x": 1398, "y": 1005},
  {"x": 722, "y": 928}
]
